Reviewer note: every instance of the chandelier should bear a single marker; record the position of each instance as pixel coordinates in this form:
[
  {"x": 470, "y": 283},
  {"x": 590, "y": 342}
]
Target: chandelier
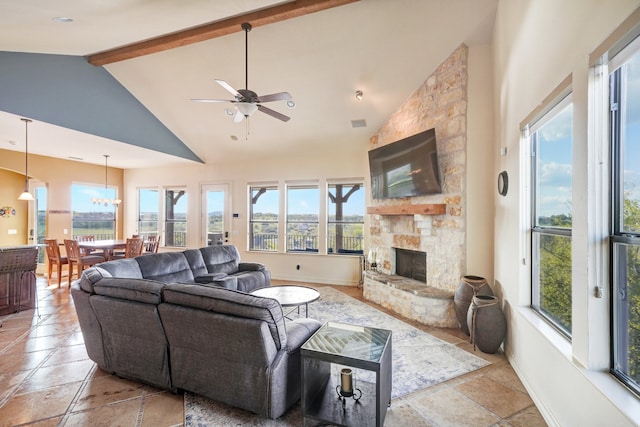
[{"x": 105, "y": 201}]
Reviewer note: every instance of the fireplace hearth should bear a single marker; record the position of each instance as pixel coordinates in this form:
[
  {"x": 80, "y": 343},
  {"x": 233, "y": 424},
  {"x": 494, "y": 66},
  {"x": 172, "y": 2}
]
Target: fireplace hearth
[{"x": 411, "y": 264}]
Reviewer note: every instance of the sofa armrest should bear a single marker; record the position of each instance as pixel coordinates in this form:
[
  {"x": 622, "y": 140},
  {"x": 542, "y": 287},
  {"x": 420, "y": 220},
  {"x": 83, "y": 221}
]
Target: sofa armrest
[
  {"x": 299, "y": 331},
  {"x": 251, "y": 266}
]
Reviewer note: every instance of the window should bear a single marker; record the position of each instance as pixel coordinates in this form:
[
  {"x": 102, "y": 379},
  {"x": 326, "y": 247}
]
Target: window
[
  {"x": 551, "y": 169},
  {"x": 345, "y": 222},
  {"x": 263, "y": 218},
  {"x": 625, "y": 212},
  {"x": 175, "y": 223},
  {"x": 148, "y": 211},
  {"x": 90, "y": 216},
  {"x": 302, "y": 218}
]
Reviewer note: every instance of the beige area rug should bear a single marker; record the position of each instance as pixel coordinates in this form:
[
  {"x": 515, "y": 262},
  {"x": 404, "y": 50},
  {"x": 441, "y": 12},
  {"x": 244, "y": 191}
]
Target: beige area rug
[{"x": 419, "y": 360}]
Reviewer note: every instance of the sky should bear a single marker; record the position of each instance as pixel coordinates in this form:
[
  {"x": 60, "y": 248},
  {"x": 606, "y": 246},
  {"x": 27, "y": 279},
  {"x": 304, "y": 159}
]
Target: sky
[{"x": 555, "y": 150}]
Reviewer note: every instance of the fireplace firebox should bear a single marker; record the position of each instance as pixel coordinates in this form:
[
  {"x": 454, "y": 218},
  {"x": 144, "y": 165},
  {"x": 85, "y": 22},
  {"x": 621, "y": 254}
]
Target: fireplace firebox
[{"x": 411, "y": 264}]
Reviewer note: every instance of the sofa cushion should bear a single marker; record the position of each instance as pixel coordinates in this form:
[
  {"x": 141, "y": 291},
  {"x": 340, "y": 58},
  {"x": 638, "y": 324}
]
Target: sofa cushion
[
  {"x": 126, "y": 267},
  {"x": 196, "y": 262},
  {"x": 221, "y": 258},
  {"x": 234, "y": 303},
  {"x": 166, "y": 267},
  {"x": 141, "y": 290}
]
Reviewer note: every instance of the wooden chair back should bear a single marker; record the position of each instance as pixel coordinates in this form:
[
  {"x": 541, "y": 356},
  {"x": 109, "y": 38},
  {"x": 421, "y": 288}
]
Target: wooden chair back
[
  {"x": 152, "y": 244},
  {"x": 53, "y": 254},
  {"x": 134, "y": 247},
  {"x": 53, "y": 250},
  {"x": 73, "y": 251}
]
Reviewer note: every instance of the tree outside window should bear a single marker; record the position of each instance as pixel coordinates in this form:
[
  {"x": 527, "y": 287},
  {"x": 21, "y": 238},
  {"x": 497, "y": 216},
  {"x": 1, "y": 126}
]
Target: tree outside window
[{"x": 345, "y": 222}]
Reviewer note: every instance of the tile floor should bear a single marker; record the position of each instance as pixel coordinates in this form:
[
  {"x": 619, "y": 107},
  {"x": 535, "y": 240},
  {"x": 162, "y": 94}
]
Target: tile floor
[{"x": 46, "y": 379}]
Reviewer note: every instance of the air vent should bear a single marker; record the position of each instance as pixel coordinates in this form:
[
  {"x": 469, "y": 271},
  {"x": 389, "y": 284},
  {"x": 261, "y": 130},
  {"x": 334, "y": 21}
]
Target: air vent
[
  {"x": 361, "y": 123},
  {"x": 74, "y": 158}
]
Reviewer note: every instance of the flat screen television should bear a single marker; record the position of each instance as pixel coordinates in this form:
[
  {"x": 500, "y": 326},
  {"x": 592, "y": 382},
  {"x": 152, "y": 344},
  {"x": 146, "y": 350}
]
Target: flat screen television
[{"x": 405, "y": 168}]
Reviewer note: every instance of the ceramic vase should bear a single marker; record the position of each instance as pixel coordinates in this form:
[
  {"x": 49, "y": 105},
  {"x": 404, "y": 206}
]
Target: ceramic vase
[
  {"x": 487, "y": 323},
  {"x": 467, "y": 288}
]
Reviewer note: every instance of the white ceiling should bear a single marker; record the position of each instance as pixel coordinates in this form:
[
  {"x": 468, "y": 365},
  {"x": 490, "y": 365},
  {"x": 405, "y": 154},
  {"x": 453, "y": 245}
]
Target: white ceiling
[{"x": 384, "y": 48}]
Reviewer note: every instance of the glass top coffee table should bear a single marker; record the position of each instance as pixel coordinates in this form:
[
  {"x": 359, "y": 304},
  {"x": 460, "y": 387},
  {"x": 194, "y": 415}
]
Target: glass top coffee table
[
  {"x": 290, "y": 296},
  {"x": 331, "y": 350}
]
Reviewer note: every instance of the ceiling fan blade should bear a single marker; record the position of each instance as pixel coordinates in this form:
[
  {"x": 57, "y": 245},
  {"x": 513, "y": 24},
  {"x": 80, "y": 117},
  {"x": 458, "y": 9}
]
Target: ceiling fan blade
[
  {"x": 211, "y": 100},
  {"x": 238, "y": 117},
  {"x": 273, "y": 113},
  {"x": 229, "y": 88},
  {"x": 282, "y": 96}
]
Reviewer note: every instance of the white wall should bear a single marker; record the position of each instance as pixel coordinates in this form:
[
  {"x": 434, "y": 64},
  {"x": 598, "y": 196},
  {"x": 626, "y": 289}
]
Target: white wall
[
  {"x": 537, "y": 44},
  {"x": 339, "y": 270},
  {"x": 481, "y": 182}
]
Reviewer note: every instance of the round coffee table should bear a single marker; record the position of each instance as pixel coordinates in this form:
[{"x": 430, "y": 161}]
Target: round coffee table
[{"x": 290, "y": 296}]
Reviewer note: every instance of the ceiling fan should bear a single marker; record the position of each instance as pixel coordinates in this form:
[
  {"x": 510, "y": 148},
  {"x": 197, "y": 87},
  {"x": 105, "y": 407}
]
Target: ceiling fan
[{"x": 247, "y": 102}]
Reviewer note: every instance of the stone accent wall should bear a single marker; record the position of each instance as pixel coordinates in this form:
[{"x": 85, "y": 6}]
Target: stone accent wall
[{"x": 440, "y": 103}]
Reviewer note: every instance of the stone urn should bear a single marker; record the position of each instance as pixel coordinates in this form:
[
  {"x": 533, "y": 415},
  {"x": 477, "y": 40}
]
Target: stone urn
[
  {"x": 487, "y": 323},
  {"x": 467, "y": 288}
]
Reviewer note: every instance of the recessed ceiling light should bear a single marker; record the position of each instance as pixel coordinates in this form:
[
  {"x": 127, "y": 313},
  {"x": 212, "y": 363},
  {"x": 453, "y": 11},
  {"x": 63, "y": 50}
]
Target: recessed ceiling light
[
  {"x": 291, "y": 103},
  {"x": 12, "y": 142},
  {"x": 229, "y": 111},
  {"x": 234, "y": 138},
  {"x": 63, "y": 19}
]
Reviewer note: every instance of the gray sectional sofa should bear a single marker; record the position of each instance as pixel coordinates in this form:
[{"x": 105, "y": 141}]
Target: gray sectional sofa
[{"x": 147, "y": 319}]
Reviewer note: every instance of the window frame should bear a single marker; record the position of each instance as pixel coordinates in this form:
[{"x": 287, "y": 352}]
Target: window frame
[
  {"x": 551, "y": 108},
  {"x": 142, "y": 230},
  {"x": 330, "y": 223},
  {"x": 170, "y": 223},
  {"x": 620, "y": 239},
  {"x": 95, "y": 189},
  {"x": 253, "y": 221},
  {"x": 314, "y": 224}
]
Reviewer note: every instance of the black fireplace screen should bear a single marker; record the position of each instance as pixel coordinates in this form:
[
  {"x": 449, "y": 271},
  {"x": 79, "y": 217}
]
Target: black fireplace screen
[{"x": 411, "y": 264}]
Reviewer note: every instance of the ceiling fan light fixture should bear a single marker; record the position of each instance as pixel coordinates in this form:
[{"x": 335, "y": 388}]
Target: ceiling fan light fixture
[
  {"x": 246, "y": 108},
  {"x": 291, "y": 103}
]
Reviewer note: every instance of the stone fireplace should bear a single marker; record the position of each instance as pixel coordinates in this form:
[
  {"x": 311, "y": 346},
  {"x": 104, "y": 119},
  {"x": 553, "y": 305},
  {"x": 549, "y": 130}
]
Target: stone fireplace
[{"x": 432, "y": 225}]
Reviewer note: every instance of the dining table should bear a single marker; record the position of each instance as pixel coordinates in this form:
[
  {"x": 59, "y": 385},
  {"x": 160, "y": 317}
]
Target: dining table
[{"x": 106, "y": 246}]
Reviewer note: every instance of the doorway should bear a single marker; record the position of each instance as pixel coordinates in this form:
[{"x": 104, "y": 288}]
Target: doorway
[{"x": 216, "y": 216}]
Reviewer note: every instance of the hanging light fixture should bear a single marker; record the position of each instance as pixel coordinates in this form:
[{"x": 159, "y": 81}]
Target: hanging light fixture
[
  {"x": 26, "y": 195},
  {"x": 106, "y": 201}
]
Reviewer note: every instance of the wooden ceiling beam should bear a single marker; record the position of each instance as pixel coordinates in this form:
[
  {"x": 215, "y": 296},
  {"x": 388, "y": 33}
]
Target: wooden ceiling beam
[{"x": 212, "y": 30}]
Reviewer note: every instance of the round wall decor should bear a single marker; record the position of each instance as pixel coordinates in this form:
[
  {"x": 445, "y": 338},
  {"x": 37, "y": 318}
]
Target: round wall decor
[{"x": 503, "y": 183}]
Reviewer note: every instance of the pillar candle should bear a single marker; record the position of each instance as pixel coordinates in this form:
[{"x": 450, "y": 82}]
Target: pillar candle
[{"x": 346, "y": 383}]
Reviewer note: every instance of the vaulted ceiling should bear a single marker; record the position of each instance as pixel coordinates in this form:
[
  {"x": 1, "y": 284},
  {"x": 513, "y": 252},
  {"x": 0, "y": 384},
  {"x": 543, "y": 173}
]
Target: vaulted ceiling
[{"x": 384, "y": 48}]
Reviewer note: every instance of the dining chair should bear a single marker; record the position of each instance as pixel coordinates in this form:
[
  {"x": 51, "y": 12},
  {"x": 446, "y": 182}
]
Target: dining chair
[
  {"x": 53, "y": 254},
  {"x": 76, "y": 258},
  {"x": 134, "y": 248},
  {"x": 152, "y": 244}
]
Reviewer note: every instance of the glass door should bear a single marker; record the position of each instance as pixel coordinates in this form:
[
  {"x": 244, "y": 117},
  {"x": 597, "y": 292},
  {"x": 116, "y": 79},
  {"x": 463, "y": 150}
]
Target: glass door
[
  {"x": 38, "y": 221},
  {"x": 215, "y": 214}
]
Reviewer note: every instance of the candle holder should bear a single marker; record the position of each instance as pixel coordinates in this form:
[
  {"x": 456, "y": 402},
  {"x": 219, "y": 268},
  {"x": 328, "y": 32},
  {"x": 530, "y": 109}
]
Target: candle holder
[{"x": 346, "y": 387}]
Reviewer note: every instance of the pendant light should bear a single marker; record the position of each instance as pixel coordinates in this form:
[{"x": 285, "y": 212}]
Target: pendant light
[
  {"x": 105, "y": 201},
  {"x": 26, "y": 195}
]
